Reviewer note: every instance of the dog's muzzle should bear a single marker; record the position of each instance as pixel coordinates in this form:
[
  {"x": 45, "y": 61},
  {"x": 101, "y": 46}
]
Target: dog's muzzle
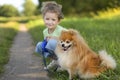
[{"x": 65, "y": 48}]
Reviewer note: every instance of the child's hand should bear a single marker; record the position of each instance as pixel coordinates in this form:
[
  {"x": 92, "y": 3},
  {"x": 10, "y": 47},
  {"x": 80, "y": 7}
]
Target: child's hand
[
  {"x": 51, "y": 37},
  {"x": 48, "y": 37}
]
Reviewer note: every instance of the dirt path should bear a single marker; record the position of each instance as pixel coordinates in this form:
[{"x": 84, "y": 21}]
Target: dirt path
[{"x": 23, "y": 64}]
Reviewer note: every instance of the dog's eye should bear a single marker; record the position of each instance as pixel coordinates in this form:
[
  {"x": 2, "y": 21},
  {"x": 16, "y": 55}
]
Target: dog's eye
[
  {"x": 67, "y": 41},
  {"x": 61, "y": 41}
]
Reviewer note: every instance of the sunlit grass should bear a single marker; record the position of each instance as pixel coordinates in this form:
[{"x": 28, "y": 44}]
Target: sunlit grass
[
  {"x": 36, "y": 22},
  {"x": 22, "y": 19},
  {"x": 109, "y": 13}
]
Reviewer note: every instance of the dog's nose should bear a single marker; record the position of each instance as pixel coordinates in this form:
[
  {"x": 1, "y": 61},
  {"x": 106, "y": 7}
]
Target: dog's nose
[{"x": 63, "y": 45}]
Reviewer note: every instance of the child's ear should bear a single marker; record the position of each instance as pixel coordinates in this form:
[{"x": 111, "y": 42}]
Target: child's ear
[{"x": 59, "y": 21}]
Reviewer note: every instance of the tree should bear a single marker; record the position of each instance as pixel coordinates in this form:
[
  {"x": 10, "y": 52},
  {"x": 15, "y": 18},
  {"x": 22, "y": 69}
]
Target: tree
[
  {"x": 8, "y": 11},
  {"x": 29, "y": 8},
  {"x": 84, "y": 6}
]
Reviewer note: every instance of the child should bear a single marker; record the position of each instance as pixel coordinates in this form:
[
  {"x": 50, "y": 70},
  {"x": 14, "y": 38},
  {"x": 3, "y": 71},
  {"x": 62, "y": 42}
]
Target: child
[{"x": 52, "y": 15}]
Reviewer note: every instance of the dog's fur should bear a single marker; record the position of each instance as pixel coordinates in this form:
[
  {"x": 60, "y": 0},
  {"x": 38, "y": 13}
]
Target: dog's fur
[{"x": 75, "y": 56}]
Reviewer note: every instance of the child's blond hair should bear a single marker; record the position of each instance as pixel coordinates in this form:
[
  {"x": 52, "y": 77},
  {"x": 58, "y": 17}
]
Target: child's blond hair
[{"x": 52, "y": 6}]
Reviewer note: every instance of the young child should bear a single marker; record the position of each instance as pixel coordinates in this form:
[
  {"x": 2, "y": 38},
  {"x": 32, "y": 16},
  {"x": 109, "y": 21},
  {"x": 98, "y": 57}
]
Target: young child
[{"x": 52, "y": 15}]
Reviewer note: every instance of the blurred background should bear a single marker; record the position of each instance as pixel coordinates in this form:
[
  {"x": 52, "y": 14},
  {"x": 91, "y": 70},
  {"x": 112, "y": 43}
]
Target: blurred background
[{"x": 89, "y": 8}]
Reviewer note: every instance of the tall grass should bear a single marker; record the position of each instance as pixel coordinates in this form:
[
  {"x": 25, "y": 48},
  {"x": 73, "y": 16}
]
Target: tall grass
[
  {"x": 109, "y": 13},
  {"x": 7, "y": 33}
]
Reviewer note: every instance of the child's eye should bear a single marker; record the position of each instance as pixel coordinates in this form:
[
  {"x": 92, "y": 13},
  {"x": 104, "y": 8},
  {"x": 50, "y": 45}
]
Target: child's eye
[
  {"x": 53, "y": 19},
  {"x": 47, "y": 18}
]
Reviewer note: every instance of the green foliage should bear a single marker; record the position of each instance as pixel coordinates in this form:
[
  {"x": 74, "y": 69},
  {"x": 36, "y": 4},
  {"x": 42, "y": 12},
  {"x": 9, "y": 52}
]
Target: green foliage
[
  {"x": 109, "y": 13},
  {"x": 29, "y": 8},
  {"x": 8, "y": 11},
  {"x": 84, "y": 6}
]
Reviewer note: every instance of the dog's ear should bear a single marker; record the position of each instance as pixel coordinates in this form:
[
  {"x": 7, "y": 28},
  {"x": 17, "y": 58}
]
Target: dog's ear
[
  {"x": 73, "y": 31},
  {"x": 63, "y": 31},
  {"x": 75, "y": 35}
]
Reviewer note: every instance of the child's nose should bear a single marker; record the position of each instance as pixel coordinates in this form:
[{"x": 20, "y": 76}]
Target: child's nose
[{"x": 50, "y": 21}]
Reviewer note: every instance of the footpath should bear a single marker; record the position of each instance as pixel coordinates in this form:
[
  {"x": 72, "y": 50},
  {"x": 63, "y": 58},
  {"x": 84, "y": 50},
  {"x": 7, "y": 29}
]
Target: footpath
[{"x": 23, "y": 64}]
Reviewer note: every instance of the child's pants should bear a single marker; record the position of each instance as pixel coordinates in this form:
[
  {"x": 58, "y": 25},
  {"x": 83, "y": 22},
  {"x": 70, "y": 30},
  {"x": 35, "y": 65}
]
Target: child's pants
[{"x": 51, "y": 45}]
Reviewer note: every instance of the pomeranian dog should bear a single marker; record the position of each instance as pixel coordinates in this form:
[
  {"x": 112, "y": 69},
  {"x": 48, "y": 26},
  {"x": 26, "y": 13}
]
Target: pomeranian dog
[{"x": 75, "y": 56}]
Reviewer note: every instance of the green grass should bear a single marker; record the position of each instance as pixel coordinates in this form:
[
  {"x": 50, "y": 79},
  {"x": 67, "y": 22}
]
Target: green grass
[
  {"x": 98, "y": 33},
  {"x": 7, "y": 33},
  {"x": 22, "y": 19},
  {"x": 109, "y": 13}
]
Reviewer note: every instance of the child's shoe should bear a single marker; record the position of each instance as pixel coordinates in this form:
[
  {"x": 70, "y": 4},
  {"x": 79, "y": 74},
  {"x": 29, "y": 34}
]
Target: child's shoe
[
  {"x": 45, "y": 68},
  {"x": 53, "y": 63}
]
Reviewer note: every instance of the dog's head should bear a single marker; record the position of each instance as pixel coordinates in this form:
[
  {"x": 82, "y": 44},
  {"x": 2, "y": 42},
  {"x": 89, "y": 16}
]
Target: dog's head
[{"x": 67, "y": 38}]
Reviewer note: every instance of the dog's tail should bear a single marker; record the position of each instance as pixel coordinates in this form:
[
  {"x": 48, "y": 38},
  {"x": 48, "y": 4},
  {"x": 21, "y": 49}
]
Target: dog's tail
[{"x": 107, "y": 60}]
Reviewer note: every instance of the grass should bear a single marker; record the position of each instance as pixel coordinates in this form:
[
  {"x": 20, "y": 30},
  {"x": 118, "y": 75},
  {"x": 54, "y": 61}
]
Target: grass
[
  {"x": 21, "y": 19},
  {"x": 98, "y": 33},
  {"x": 7, "y": 33},
  {"x": 109, "y": 13}
]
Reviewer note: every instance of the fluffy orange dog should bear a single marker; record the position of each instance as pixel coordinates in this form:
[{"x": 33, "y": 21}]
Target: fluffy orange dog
[{"x": 75, "y": 56}]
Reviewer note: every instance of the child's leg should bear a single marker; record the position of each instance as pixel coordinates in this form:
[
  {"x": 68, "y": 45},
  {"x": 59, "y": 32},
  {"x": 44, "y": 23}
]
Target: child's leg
[
  {"x": 38, "y": 49},
  {"x": 51, "y": 45}
]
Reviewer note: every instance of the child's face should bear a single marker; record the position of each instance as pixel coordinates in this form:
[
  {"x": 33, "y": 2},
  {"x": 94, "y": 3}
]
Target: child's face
[{"x": 51, "y": 20}]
